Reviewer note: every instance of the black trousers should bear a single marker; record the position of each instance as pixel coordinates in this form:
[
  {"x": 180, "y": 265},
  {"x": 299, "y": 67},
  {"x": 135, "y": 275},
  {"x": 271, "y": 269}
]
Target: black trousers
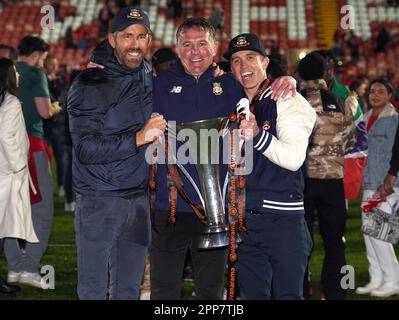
[
  {"x": 168, "y": 253},
  {"x": 325, "y": 200}
]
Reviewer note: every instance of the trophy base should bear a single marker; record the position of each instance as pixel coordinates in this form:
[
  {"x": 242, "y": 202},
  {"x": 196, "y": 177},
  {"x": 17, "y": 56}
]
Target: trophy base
[{"x": 215, "y": 240}]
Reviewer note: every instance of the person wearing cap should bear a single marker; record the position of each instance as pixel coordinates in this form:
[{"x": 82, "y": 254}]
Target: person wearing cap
[
  {"x": 272, "y": 257},
  {"x": 109, "y": 110},
  {"x": 190, "y": 91},
  {"x": 333, "y": 137}
]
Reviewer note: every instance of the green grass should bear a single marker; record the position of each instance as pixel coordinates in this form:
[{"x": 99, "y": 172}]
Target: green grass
[{"x": 61, "y": 254}]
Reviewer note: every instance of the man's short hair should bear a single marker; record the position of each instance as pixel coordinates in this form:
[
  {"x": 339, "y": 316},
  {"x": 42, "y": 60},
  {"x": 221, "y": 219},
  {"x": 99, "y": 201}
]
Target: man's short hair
[
  {"x": 277, "y": 67},
  {"x": 312, "y": 66},
  {"x": 195, "y": 23},
  {"x": 30, "y": 44},
  {"x": 12, "y": 52}
]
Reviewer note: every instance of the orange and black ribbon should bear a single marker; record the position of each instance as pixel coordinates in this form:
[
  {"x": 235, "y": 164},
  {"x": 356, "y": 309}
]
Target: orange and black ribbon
[{"x": 235, "y": 205}]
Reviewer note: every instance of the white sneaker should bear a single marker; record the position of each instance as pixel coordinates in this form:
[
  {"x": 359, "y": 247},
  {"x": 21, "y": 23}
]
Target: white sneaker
[
  {"x": 386, "y": 290},
  {"x": 368, "y": 288},
  {"x": 32, "y": 279},
  {"x": 70, "y": 207},
  {"x": 145, "y": 295},
  {"x": 13, "y": 277},
  {"x": 61, "y": 191}
]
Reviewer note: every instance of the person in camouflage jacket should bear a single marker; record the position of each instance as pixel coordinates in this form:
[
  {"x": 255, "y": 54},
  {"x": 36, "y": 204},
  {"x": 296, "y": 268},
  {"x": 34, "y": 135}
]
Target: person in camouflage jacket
[{"x": 333, "y": 136}]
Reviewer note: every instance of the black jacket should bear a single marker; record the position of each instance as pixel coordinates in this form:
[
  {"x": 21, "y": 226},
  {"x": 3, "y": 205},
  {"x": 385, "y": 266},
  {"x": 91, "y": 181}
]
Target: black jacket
[
  {"x": 393, "y": 170},
  {"x": 106, "y": 108}
]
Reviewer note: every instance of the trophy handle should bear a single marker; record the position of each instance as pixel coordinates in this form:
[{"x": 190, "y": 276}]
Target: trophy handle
[{"x": 187, "y": 175}]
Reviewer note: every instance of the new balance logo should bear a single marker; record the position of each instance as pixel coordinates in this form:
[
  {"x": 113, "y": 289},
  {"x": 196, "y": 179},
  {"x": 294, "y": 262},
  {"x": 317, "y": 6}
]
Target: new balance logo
[{"x": 176, "y": 89}]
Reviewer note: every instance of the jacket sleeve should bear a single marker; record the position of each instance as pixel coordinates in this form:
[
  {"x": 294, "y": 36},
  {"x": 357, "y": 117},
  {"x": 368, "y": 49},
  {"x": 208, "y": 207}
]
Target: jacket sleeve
[
  {"x": 10, "y": 125},
  {"x": 86, "y": 122},
  {"x": 394, "y": 164},
  {"x": 295, "y": 122},
  {"x": 348, "y": 129}
]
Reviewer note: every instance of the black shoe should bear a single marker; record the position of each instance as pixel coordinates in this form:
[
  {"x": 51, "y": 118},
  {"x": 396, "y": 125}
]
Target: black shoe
[{"x": 8, "y": 289}]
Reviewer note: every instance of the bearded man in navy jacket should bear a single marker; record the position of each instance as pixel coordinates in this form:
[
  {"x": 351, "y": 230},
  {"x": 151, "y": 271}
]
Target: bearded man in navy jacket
[{"x": 109, "y": 111}]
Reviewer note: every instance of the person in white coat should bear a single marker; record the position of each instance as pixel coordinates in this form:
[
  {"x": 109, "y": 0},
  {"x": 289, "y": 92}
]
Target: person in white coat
[{"x": 15, "y": 207}]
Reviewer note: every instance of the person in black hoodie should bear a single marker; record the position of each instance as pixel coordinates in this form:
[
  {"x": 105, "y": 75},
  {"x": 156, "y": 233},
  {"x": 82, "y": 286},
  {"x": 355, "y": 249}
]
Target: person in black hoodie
[{"x": 109, "y": 116}]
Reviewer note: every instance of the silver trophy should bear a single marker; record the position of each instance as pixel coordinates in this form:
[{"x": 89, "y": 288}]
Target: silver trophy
[{"x": 205, "y": 150}]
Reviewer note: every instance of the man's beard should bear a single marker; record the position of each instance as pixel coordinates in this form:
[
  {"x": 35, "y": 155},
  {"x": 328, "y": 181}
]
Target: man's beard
[{"x": 129, "y": 61}]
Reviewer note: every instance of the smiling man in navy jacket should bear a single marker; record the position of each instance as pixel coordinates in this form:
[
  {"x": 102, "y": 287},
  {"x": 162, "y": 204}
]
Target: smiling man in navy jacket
[
  {"x": 278, "y": 243},
  {"x": 189, "y": 91},
  {"x": 109, "y": 111}
]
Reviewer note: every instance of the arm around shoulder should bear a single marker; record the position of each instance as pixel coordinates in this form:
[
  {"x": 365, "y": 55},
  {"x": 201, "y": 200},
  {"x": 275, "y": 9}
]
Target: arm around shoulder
[{"x": 295, "y": 123}]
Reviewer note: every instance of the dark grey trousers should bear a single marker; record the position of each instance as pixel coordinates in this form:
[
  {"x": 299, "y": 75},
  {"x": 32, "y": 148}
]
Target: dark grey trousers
[{"x": 112, "y": 238}]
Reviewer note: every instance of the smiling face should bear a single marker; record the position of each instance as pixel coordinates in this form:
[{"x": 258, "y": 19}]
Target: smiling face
[
  {"x": 131, "y": 44},
  {"x": 196, "y": 50},
  {"x": 379, "y": 95},
  {"x": 249, "y": 67}
]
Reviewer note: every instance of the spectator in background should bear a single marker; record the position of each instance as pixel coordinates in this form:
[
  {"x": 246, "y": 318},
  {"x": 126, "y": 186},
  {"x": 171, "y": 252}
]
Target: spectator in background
[
  {"x": 15, "y": 207},
  {"x": 333, "y": 137},
  {"x": 66, "y": 142},
  {"x": 356, "y": 157},
  {"x": 382, "y": 40},
  {"x": 54, "y": 127},
  {"x": 33, "y": 92},
  {"x": 381, "y": 119},
  {"x": 9, "y": 52},
  {"x": 359, "y": 86},
  {"x": 162, "y": 59},
  {"x": 277, "y": 67},
  {"x": 174, "y": 9},
  {"x": 216, "y": 20}
]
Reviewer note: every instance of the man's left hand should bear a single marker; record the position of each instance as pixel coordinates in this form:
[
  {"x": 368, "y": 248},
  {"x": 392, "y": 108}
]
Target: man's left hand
[
  {"x": 249, "y": 128},
  {"x": 283, "y": 87}
]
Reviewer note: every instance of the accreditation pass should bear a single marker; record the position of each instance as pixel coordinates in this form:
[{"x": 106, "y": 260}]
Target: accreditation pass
[{"x": 224, "y": 310}]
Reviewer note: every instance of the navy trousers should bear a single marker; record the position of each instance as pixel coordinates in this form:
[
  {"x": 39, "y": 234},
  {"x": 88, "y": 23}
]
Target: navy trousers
[
  {"x": 273, "y": 256},
  {"x": 112, "y": 237}
]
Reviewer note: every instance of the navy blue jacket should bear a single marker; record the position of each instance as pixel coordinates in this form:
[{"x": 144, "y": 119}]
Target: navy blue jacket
[
  {"x": 182, "y": 98},
  {"x": 106, "y": 108}
]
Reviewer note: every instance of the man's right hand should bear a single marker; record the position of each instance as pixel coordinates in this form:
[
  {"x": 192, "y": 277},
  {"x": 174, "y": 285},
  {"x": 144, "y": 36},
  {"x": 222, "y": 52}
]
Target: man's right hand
[{"x": 153, "y": 128}]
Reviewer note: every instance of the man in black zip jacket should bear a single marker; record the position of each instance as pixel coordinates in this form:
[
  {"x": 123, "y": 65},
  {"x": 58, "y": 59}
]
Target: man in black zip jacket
[{"x": 109, "y": 111}]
